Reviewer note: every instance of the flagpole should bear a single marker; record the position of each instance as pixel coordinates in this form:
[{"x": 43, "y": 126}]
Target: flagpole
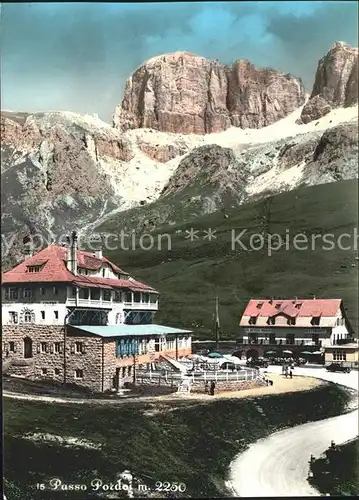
[{"x": 217, "y": 324}]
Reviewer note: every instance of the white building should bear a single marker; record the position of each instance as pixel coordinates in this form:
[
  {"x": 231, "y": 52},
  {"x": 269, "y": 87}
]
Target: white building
[
  {"x": 313, "y": 323},
  {"x": 62, "y": 285}
]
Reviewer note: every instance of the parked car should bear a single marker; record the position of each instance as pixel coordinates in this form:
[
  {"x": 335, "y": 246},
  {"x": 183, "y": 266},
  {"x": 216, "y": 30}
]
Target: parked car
[{"x": 336, "y": 367}]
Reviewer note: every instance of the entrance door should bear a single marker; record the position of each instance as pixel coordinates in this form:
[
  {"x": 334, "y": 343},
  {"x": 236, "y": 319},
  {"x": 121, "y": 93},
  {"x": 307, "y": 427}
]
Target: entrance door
[{"x": 27, "y": 348}]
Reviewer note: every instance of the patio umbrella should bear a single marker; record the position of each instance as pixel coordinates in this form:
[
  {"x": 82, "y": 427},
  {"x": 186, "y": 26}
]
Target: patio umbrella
[
  {"x": 288, "y": 352},
  {"x": 214, "y": 355},
  {"x": 270, "y": 352},
  {"x": 306, "y": 352}
]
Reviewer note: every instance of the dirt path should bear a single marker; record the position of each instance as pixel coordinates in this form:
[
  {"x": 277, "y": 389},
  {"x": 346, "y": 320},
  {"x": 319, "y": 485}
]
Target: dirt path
[{"x": 280, "y": 385}]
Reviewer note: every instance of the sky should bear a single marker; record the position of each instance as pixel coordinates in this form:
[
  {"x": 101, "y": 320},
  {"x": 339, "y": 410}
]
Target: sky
[{"x": 77, "y": 56}]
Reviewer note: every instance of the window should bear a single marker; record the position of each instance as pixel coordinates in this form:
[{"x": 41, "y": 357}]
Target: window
[
  {"x": 12, "y": 346},
  {"x": 271, "y": 321},
  {"x": 298, "y": 306},
  {"x": 103, "y": 272},
  {"x": 252, "y": 320},
  {"x": 277, "y": 306},
  {"x": 34, "y": 269},
  {"x": 339, "y": 356},
  {"x": 56, "y": 314},
  {"x": 13, "y": 317},
  {"x": 78, "y": 347},
  {"x": 315, "y": 320},
  {"x": 84, "y": 293},
  {"x": 27, "y": 317},
  {"x": 153, "y": 298},
  {"x": 117, "y": 296},
  {"x": 27, "y": 293},
  {"x": 42, "y": 314},
  {"x": 73, "y": 292},
  {"x": 259, "y": 305},
  {"x": 95, "y": 294},
  {"x": 128, "y": 297},
  {"x": 13, "y": 293},
  {"x": 145, "y": 298},
  {"x": 44, "y": 347},
  {"x": 57, "y": 347},
  {"x": 290, "y": 338},
  {"x": 57, "y": 371},
  {"x": 55, "y": 290},
  {"x": 42, "y": 290},
  {"x": 291, "y": 321},
  {"x": 137, "y": 297},
  {"x": 79, "y": 373},
  {"x": 107, "y": 295},
  {"x": 272, "y": 339},
  {"x": 43, "y": 371}
]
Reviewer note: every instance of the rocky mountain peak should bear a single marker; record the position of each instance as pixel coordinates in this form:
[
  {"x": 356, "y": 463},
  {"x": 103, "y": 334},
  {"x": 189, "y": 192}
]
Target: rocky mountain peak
[
  {"x": 184, "y": 93},
  {"x": 336, "y": 82}
]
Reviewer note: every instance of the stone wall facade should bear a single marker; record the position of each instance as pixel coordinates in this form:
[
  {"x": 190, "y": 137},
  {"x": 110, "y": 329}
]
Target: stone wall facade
[
  {"x": 80, "y": 365},
  {"x": 45, "y": 352}
]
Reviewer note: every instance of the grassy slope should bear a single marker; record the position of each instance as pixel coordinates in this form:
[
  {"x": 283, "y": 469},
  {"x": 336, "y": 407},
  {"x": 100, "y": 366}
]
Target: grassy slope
[
  {"x": 340, "y": 475},
  {"x": 191, "y": 273},
  {"x": 191, "y": 444}
]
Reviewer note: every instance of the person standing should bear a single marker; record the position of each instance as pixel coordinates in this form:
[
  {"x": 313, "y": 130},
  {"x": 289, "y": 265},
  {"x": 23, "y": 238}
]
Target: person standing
[
  {"x": 213, "y": 385},
  {"x": 290, "y": 374}
]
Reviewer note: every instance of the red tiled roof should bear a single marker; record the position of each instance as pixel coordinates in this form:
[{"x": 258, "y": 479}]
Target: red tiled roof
[
  {"x": 111, "y": 283},
  {"x": 54, "y": 270},
  {"x": 308, "y": 308}
]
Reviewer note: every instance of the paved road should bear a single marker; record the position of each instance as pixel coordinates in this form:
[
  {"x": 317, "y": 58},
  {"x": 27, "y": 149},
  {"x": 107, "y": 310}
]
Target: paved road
[{"x": 278, "y": 465}]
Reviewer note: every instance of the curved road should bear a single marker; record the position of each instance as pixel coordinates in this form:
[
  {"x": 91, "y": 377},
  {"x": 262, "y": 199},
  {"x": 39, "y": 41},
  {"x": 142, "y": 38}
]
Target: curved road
[{"x": 279, "y": 464}]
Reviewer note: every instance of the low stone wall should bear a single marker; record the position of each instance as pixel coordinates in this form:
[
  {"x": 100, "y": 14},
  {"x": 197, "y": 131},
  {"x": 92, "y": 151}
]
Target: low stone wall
[
  {"x": 227, "y": 385},
  {"x": 199, "y": 386}
]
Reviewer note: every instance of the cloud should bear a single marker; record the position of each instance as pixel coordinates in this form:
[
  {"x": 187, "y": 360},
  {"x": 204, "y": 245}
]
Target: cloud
[{"x": 77, "y": 56}]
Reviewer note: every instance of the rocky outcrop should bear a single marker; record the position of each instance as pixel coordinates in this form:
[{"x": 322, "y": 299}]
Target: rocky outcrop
[
  {"x": 53, "y": 176},
  {"x": 336, "y": 82},
  {"x": 185, "y": 93},
  {"x": 162, "y": 152}
]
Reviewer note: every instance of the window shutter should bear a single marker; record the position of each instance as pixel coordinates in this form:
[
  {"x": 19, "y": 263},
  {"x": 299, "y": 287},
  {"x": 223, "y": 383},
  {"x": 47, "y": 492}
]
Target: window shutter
[
  {"x": 51, "y": 348},
  {"x": 38, "y": 348},
  {"x": 84, "y": 347},
  {"x": 61, "y": 348},
  {"x": 47, "y": 347},
  {"x": 72, "y": 349}
]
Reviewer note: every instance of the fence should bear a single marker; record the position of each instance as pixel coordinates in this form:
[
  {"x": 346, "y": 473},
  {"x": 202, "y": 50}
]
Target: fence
[{"x": 172, "y": 378}]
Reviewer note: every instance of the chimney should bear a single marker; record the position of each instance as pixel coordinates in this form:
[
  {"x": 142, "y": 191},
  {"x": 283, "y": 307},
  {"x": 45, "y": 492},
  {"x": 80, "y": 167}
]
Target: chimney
[
  {"x": 314, "y": 297},
  {"x": 98, "y": 254},
  {"x": 72, "y": 253}
]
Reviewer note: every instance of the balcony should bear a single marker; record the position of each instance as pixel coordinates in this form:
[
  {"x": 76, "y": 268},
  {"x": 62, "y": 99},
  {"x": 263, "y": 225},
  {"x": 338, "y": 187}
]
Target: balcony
[
  {"x": 89, "y": 303},
  {"x": 150, "y": 306}
]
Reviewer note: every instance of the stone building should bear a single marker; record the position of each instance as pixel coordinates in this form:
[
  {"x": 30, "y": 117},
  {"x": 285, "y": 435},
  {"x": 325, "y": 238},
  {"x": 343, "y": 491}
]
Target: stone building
[
  {"x": 292, "y": 325},
  {"x": 75, "y": 317}
]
